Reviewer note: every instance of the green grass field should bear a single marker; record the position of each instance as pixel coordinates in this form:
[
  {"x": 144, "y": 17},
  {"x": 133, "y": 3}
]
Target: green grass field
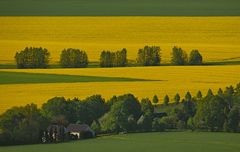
[
  {"x": 144, "y": 142},
  {"x": 120, "y": 7},
  {"x": 25, "y": 78}
]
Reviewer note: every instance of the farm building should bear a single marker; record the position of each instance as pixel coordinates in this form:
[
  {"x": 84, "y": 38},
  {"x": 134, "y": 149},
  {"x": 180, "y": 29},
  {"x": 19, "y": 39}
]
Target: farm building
[{"x": 80, "y": 131}]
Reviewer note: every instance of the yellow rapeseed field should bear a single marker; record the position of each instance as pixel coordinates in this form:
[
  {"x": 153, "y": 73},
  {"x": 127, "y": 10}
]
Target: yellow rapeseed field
[
  {"x": 216, "y": 37},
  {"x": 174, "y": 79}
]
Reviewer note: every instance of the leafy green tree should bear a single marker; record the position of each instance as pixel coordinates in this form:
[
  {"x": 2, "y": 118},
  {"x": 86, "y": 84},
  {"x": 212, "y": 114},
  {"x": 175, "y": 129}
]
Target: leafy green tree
[
  {"x": 188, "y": 97},
  {"x": 190, "y": 124},
  {"x": 149, "y": 56},
  {"x": 195, "y": 58},
  {"x": 220, "y": 92},
  {"x": 106, "y": 59},
  {"x": 183, "y": 112},
  {"x": 179, "y": 56},
  {"x": 155, "y": 99},
  {"x": 199, "y": 95},
  {"x": 237, "y": 88},
  {"x": 6, "y": 139},
  {"x": 162, "y": 125},
  {"x": 96, "y": 127},
  {"x": 169, "y": 122},
  {"x": 54, "y": 107},
  {"x": 155, "y": 124},
  {"x": 120, "y": 59},
  {"x": 60, "y": 120},
  {"x": 146, "y": 106},
  {"x": 189, "y": 110},
  {"x": 210, "y": 114},
  {"x": 229, "y": 90},
  {"x": 166, "y": 100},
  {"x": 22, "y": 125},
  {"x": 209, "y": 93},
  {"x": 233, "y": 120},
  {"x": 181, "y": 125},
  {"x": 177, "y": 98},
  {"x": 109, "y": 122},
  {"x": 96, "y": 107},
  {"x": 77, "y": 112},
  {"x": 111, "y": 101},
  {"x": 117, "y": 119},
  {"x": 73, "y": 58},
  {"x": 32, "y": 57},
  {"x": 179, "y": 113}
]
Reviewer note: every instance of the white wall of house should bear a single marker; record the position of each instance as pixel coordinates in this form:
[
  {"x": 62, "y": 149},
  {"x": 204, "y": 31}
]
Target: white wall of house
[{"x": 75, "y": 133}]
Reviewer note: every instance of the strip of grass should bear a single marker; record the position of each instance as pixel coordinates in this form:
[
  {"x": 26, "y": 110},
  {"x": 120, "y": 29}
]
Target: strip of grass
[
  {"x": 24, "y": 78},
  {"x": 96, "y": 64},
  {"x": 144, "y": 142},
  {"x": 120, "y": 7}
]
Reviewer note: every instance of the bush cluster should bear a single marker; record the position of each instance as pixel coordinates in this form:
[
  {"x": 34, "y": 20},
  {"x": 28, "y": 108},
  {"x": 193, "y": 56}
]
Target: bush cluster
[
  {"x": 180, "y": 57},
  {"x": 32, "y": 57},
  {"x": 73, "y": 58},
  {"x": 113, "y": 59}
]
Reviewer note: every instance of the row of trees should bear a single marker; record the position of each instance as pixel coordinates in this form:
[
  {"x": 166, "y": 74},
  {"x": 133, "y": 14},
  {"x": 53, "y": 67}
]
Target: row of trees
[
  {"x": 213, "y": 112},
  {"x": 74, "y": 58}
]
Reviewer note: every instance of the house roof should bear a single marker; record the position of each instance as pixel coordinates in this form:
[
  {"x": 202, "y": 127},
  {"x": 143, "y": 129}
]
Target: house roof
[{"x": 78, "y": 128}]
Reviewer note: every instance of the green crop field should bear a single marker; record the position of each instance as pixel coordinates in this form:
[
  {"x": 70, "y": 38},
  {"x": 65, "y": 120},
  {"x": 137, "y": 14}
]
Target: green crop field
[
  {"x": 144, "y": 142},
  {"x": 120, "y": 7}
]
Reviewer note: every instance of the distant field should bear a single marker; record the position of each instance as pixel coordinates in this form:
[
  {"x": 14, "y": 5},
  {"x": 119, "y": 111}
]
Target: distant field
[
  {"x": 216, "y": 37},
  {"x": 173, "y": 79},
  {"x": 144, "y": 142},
  {"x": 120, "y": 7}
]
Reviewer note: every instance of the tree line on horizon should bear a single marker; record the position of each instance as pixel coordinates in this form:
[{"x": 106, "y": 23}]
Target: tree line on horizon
[
  {"x": 125, "y": 113},
  {"x": 32, "y": 57}
]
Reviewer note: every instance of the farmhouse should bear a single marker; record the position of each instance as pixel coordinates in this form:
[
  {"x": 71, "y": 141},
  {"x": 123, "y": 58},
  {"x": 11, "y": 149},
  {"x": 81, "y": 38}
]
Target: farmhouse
[{"x": 80, "y": 131}]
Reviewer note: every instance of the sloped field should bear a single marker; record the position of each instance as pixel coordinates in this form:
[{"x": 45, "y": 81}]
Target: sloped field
[{"x": 168, "y": 80}]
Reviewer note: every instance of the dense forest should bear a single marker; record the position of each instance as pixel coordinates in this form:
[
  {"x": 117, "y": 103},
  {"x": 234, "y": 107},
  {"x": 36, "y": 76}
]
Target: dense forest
[
  {"x": 125, "y": 113},
  {"x": 32, "y": 57}
]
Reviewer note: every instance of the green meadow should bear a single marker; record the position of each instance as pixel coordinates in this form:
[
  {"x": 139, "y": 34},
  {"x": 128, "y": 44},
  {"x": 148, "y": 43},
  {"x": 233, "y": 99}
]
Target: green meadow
[
  {"x": 144, "y": 142},
  {"x": 120, "y": 7}
]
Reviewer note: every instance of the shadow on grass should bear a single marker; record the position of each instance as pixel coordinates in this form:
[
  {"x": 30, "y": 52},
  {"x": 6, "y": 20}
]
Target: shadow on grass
[{"x": 26, "y": 78}]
